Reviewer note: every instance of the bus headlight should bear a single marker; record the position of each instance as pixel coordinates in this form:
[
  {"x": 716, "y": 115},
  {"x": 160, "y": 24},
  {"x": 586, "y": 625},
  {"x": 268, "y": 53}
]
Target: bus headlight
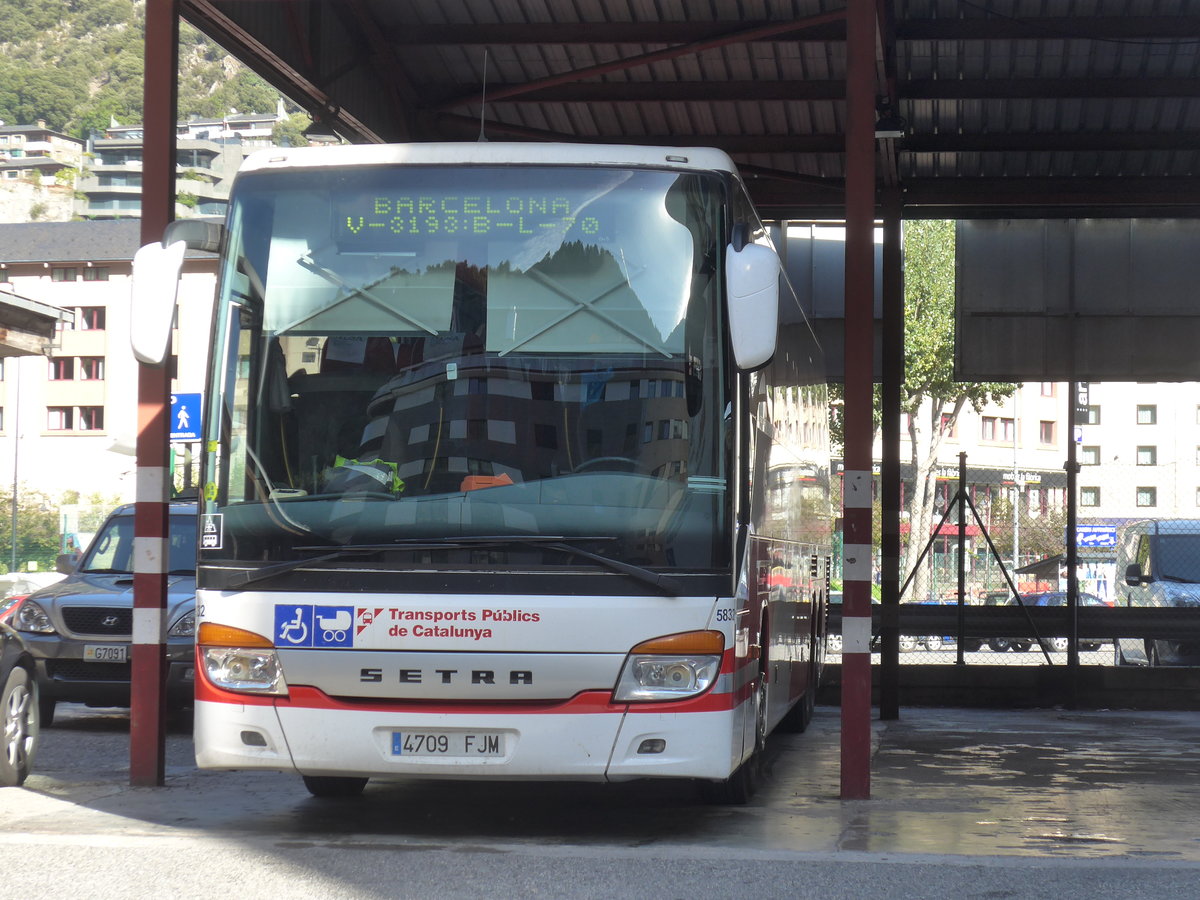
[
  {"x": 244, "y": 669},
  {"x": 673, "y": 667},
  {"x": 238, "y": 660}
]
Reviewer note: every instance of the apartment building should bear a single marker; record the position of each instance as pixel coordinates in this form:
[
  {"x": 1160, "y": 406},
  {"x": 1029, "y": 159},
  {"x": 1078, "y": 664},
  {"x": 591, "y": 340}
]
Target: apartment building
[
  {"x": 68, "y": 422},
  {"x": 29, "y": 149},
  {"x": 112, "y": 185}
]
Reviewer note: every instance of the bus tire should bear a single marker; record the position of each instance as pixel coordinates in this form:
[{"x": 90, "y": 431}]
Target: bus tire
[
  {"x": 334, "y": 786},
  {"x": 737, "y": 789},
  {"x": 797, "y": 719}
]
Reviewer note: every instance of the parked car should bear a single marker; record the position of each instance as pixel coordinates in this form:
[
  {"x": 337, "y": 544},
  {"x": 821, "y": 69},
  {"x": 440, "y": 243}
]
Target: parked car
[
  {"x": 908, "y": 643},
  {"x": 18, "y": 708},
  {"x": 1059, "y": 598},
  {"x": 79, "y": 630},
  {"x": 1053, "y": 644},
  {"x": 1158, "y": 562},
  {"x": 16, "y": 586},
  {"x": 19, "y": 583}
]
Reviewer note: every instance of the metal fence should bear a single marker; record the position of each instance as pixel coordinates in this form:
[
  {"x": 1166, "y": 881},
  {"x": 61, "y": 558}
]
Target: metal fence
[{"x": 999, "y": 540}]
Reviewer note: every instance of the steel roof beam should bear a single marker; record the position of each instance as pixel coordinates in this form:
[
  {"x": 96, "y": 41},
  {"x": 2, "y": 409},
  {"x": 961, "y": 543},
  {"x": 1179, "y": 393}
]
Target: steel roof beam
[
  {"x": 834, "y": 89},
  {"x": 672, "y": 91},
  {"x": 1051, "y": 192},
  {"x": 1166, "y": 28},
  {"x": 734, "y": 37},
  {"x": 394, "y": 82},
  {"x": 1047, "y": 88},
  {"x": 559, "y": 33},
  {"x": 1054, "y": 142},
  {"x": 272, "y": 67},
  {"x": 1053, "y": 28}
]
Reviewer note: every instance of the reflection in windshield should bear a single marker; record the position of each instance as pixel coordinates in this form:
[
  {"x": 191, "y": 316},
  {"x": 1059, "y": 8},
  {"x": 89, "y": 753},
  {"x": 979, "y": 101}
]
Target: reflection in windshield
[{"x": 440, "y": 352}]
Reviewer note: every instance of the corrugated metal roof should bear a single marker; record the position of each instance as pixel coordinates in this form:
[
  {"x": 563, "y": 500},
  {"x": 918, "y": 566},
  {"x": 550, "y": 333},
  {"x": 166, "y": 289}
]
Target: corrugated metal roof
[
  {"x": 70, "y": 242},
  {"x": 1076, "y": 105}
]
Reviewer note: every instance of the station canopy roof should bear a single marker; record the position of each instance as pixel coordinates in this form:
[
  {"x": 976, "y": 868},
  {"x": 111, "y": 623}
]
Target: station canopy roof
[{"x": 1006, "y": 107}]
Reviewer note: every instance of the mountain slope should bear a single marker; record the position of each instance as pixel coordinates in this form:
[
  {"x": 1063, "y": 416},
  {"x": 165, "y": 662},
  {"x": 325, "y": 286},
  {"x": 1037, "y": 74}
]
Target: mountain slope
[{"x": 78, "y": 63}]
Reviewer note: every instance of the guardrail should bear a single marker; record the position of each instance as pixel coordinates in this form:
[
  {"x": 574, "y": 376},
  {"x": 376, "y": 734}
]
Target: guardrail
[
  {"x": 1095, "y": 622},
  {"x": 1019, "y": 680}
]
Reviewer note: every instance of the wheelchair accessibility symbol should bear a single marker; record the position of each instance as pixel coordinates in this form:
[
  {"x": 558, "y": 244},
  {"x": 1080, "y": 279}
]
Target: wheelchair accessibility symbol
[{"x": 298, "y": 625}]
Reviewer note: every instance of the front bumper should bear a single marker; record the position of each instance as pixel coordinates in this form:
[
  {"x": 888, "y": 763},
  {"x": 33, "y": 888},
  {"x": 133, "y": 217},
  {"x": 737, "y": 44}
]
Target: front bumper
[
  {"x": 583, "y": 740},
  {"x": 64, "y": 675}
]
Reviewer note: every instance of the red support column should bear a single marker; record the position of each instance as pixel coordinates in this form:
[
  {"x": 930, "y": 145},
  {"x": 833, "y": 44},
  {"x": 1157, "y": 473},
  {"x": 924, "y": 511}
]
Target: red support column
[
  {"x": 147, "y": 733},
  {"x": 856, "y": 491},
  {"x": 892, "y": 379}
]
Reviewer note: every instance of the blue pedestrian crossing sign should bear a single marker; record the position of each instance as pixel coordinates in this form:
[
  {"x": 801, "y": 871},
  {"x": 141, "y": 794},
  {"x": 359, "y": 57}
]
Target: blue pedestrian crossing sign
[{"x": 185, "y": 417}]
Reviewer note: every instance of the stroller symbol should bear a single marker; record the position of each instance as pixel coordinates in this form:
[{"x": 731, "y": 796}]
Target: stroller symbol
[{"x": 333, "y": 628}]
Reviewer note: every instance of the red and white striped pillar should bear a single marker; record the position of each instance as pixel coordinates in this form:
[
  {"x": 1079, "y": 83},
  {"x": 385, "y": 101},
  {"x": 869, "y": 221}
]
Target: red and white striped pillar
[
  {"x": 859, "y": 360},
  {"x": 147, "y": 732}
]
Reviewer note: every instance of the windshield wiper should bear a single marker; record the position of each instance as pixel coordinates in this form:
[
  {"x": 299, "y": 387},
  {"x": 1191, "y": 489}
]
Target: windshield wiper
[
  {"x": 664, "y": 583},
  {"x": 240, "y": 579}
]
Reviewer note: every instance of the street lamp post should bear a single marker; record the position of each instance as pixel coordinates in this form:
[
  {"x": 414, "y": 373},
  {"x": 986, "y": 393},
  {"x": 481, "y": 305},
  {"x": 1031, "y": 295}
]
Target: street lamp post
[{"x": 16, "y": 433}]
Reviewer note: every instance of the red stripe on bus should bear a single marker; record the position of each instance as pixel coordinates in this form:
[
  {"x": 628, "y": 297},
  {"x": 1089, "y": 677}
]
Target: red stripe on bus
[{"x": 586, "y": 703}]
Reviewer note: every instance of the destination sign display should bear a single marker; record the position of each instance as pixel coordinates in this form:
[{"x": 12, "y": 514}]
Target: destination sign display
[{"x": 365, "y": 220}]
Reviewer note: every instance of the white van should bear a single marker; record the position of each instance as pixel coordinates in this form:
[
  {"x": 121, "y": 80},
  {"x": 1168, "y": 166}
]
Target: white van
[{"x": 1158, "y": 561}]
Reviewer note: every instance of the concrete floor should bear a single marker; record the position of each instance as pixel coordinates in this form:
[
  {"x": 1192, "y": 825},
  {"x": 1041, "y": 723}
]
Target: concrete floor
[
  {"x": 965, "y": 803},
  {"x": 946, "y": 781}
]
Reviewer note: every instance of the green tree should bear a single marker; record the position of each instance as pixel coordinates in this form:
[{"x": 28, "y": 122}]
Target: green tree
[
  {"x": 38, "y": 538},
  {"x": 931, "y": 396},
  {"x": 290, "y": 132}
]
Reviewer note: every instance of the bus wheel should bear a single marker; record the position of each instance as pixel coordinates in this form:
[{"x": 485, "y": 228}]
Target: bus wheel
[
  {"x": 737, "y": 789},
  {"x": 797, "y": 719},
  {"x": 332, "y": 786}
]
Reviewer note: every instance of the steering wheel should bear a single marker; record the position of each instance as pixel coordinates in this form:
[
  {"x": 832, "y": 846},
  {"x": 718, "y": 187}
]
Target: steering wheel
[{"x": 608, "y": 463}]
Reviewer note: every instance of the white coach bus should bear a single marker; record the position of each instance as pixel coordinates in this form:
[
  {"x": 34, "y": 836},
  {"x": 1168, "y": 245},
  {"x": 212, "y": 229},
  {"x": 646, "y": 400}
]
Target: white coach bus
[{"x": 511, "y": 470}]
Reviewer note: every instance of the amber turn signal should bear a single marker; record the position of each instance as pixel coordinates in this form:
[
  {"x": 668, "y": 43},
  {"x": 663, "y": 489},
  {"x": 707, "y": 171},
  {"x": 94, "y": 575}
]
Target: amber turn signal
[
  {"x": 213, "y": 635},
  {"x": 686, "y": 642}
]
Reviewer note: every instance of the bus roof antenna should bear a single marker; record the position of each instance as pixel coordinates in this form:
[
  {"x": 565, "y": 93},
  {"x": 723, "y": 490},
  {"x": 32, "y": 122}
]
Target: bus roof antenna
[{"x": 483, "y": 98}]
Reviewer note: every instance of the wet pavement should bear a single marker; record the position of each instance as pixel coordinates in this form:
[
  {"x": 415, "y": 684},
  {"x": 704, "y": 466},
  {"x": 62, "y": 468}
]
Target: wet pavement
[{"x": 950, "y": 787}]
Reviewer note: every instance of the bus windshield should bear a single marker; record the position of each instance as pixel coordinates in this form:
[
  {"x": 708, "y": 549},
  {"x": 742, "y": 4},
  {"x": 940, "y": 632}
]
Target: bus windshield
[{"x": 419, "y": 353}]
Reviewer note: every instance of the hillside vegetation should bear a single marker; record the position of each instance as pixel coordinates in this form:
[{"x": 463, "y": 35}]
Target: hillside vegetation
[{"x": 78, "y": 63}]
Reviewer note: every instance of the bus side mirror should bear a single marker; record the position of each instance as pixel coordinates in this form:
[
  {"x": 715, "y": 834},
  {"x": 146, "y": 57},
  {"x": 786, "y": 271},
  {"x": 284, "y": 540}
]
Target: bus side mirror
[
  {"x": 1133, "y": 575},
  {"x": 156, "y": 269},
  {"x": 752, "y": 288}
]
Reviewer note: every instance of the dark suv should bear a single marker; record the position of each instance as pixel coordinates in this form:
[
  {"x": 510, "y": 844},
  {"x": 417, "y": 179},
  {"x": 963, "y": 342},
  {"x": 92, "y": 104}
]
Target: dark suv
[{"x": 80, "y": 629}]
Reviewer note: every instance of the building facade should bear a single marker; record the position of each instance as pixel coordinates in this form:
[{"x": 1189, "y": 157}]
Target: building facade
[{"x": 68, "y": 422}]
